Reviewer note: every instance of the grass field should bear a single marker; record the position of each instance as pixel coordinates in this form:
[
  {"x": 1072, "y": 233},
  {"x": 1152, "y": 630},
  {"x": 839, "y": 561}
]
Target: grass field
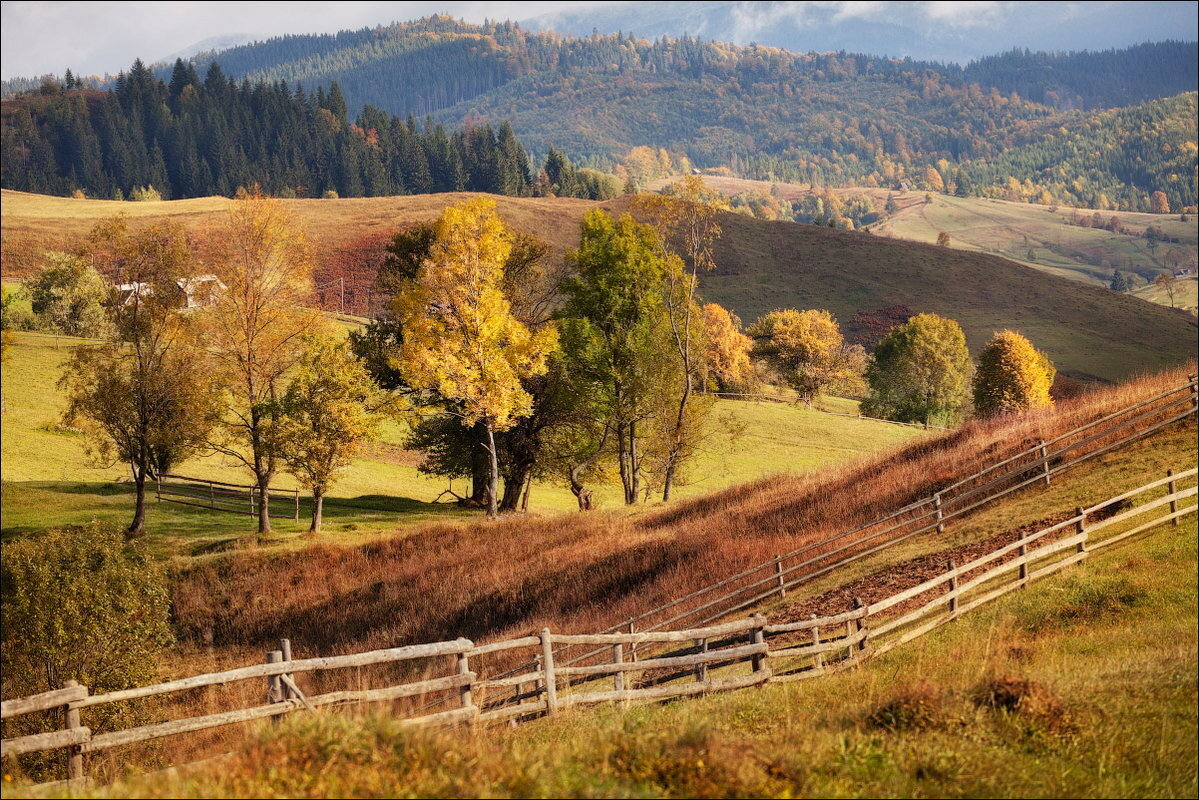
[
  {"x": 48, "y": 480},
  {"x": 1103, "y": 656},
  {"x": 1089, "y": 332}
]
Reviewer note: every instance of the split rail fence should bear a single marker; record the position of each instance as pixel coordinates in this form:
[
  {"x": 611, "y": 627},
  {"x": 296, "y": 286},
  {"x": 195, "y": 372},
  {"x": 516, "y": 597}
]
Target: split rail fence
[
  {"x": 235, "y": 498},
  {"x": 1031, "y": 466},
  {"x": 731, "y": 655}
]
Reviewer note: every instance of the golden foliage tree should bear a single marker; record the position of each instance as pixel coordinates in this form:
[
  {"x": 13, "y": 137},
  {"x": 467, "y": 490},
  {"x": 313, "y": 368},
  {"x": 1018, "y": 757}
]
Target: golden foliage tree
[
  {"x": 330, "y": 409},
  {"x": 1012, "y": 376},
  {"x": 1160, "y": 203},
  {"x": 460, "y": 336},
  {"x": 728, "y": 349},
  {"x": 806, "y": 349},
  {"x": 255, "y": 331}
]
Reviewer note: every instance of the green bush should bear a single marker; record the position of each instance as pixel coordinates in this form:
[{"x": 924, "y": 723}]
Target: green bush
[
  {"x": 80, "y": 603},
  {"x": 69, "y": 295}
]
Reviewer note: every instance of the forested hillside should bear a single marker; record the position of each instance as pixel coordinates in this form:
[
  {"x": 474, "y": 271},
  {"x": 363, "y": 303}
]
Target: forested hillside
[
  {"x": 628, "y": 106},
  {"x": 194, "y": 137}
]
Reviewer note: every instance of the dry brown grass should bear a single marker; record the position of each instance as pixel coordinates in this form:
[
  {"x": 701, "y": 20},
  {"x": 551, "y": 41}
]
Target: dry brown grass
[{"x": 581, "y": 572}]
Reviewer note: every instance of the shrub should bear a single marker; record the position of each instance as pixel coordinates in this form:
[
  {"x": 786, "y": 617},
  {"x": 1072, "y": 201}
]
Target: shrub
[
  {"x": 69, "y": 294},
  {"x": 145, "y": 194},
  {"x": 330, "y": 195},
  {"x": 916, "y": 709},
  {"x": 79, "y": 604}
]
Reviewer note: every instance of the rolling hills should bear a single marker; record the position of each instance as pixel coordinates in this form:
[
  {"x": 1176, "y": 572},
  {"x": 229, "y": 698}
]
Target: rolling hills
[
  {"x": 1090, "y": 332},
  {"x": 1045, "y": 237}
]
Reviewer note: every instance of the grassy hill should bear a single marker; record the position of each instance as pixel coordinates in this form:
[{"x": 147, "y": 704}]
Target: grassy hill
[
  {"x": 1106, "y": 650},
  {"x": 1088, "y": 331},
  {"x": 1036, "y": 235},
  {"x": 1103, "y": 655},
  {"x": 48, "y": 480}
]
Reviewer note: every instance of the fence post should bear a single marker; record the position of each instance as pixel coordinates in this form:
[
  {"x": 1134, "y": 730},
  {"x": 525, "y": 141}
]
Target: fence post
[
  {"x": 274, "y": 692},
  {"x": 1023, "y": 562},
  {"x": 538, "y": 691},
  {"x": 158, "y": 488},
  {"x": 940, "y": 515},
  {"x": 818, "y": 664},
  {"x": 464, "y": 691},
  {"x": 953, "y": 589},
  {"x": 1172, "y": 487},
  {"x": 758, "y": 636},
  {"x": 618, "y": 658},
  {"x": 1194, "y": 379},
  {"x": 297, "y": 517},
  {"x": 75, "y": 751},
  {"x": 632, "y": 645},
  {"x": 211, "y": 496},
  {"x": 859, "y": 626},
  {"x": 1081, "y": 527},
  {"x": 778, "y": 573},
  {"x": 701, "y": 670},
  {"x": 547, "y": 665},
  {"x": 253, "y": 508},
  {"x": 285, "y": 650},
  {"x": 1044, "y": 459}
]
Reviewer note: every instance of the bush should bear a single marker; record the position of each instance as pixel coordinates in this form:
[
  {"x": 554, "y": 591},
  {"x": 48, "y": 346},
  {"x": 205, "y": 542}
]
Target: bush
[
  {"x": 80, "y": 604},
  {"x": 69, "y": 295},
  {"x": 145, "y": 194},
  {"x": 329, "y": 195}
]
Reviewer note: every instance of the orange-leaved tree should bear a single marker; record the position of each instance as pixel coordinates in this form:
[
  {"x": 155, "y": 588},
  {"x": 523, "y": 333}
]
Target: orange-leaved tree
[{"x": 461, "y": 338}]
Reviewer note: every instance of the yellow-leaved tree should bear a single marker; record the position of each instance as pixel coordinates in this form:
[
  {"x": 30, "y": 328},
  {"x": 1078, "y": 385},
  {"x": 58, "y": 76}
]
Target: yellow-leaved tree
[
  {"x": 1012, "y": 376},
  {"x": 461, "y": 338}
]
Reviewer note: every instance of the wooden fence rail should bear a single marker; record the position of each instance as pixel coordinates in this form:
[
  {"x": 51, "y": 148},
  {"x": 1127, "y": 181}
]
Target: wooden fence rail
[
  {"x": 234, "y": 498},
  {"x": 732, "y": 655}
]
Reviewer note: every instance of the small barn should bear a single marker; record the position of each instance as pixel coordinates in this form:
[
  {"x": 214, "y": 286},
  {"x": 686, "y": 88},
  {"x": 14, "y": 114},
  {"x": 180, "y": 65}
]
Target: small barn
[{"x": 197, "y": 291}]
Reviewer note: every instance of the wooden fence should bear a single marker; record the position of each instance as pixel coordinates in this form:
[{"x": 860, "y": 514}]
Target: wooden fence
[
  {"x": 235, "y": 498},
  {"x": 731, "y": 655},
  {"x": 1031, "y": 466}
]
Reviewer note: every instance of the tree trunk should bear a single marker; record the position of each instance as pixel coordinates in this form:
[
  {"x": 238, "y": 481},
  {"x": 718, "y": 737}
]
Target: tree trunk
[
  {"x": 138, "y": 525},
  {"x": 318, "y": 507},
  {"x": 264, "y": 507},
  {"x": 480, "y": 467},
  {"x": 524, "y": 498},
  {"x": 676, "y": 447},
  {"x": 493, "y": 477},
  {"x": 515, "y": 479},
  {"x": 634, "y": 466}
]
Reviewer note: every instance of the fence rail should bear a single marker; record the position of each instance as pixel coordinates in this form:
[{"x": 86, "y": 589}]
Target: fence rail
[
  {"x": 1032, "y": 465},
  {"x": 234, "y": 498},
  {"x": 746, "y": 652}
]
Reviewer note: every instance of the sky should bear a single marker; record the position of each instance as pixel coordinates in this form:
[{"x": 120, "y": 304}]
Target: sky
[{"x": 97, "y": 37}]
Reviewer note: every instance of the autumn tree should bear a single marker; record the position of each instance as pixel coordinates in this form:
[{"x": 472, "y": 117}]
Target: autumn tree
[
  {"x": 686, "y": 215},
  {"x": 142, "y": 395},
  {"x": 70, "y": 295},
  {"x": 806, "y": 349},
  {"x": 920, "y": 372},
  {"x": 728, "y": 365},
  {"x": 617, "y": 340},
  {"x": 943, "y": 239},
  {"x": 1012, "y": 376},
  {"x": 1169, "y": 284},
  {"x": 1159, "y": 203},
  {"x": 328, "y": 411},
  {"x": 461, "y": 339},
  {"x": 255, "y": 332}
]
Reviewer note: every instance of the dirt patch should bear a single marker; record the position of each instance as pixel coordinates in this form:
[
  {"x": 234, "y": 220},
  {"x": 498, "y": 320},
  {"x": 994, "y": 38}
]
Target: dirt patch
[
  {"x": 917, "y": 709},
  {"x": 1033, "y": 701}
]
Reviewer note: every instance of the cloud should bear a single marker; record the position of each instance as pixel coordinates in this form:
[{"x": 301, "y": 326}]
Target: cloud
[{"x": 964, "y": 14}]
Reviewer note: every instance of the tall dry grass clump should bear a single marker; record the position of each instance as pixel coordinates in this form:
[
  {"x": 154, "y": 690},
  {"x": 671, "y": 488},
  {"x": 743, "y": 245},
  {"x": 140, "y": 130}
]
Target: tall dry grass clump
[{"x": 588, "y": 571}]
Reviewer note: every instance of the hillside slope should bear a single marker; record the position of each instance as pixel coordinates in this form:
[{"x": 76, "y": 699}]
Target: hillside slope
[
  {"x": 1088, "y": 331},
  {"x": 1080, "y": 686}
]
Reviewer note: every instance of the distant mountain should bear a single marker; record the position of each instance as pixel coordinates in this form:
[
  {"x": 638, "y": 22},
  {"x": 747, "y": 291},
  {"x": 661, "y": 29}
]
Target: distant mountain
[
  {"x": 212, "y": 44},
  {"x": 950, "y": 32}
]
